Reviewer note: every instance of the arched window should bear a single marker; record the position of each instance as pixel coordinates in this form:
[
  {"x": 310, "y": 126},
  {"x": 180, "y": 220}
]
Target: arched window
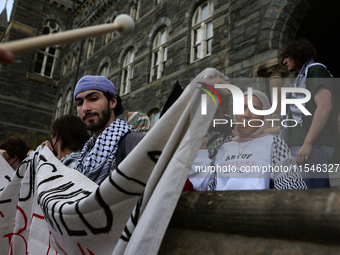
[
  {"x": 105, "y": 70},
  {"x": 134, "y": 10},
  {"x": 59, "y": 109},
  {"x": 154, "y": 117},
  {"x": 45, "y": 57},
  {"x": 127, "y": 73},
  {"x": 202, "y": 31},
  {"x": 68, "y": 102},
  {"x": 159, "y": 54}
]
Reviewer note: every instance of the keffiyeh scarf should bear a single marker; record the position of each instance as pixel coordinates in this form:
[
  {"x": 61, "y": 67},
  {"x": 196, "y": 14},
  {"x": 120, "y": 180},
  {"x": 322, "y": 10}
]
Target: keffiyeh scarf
[
  {"x": 98, "y": 154},
  {"x": 71, "y": 159},
  {"x": 299, "y": 82}
]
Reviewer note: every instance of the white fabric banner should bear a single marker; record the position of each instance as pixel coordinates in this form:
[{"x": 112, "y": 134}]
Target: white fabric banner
[{"x": 48, "y": 208}]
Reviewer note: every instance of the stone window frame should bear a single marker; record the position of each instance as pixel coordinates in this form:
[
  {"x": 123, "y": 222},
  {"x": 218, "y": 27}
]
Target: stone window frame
[
  {"x": 160, "y": 50},
  {"x": 47, "y": 57},
  {"x": 127, "y": 72},
  {"x": 200, "y": 42},
  {"x": 135, "y": 9}
]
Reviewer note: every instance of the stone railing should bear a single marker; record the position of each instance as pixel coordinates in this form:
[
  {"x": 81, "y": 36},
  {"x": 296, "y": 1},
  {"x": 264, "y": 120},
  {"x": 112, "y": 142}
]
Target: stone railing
[{"x": 255, "y": 222}]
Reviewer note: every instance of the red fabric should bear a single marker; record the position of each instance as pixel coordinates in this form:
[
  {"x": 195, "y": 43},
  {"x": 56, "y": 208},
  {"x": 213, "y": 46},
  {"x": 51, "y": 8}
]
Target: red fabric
[{"x": 188, "y": 186}]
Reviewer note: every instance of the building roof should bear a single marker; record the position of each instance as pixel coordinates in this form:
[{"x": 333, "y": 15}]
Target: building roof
[{"x": 3, "y": 18}]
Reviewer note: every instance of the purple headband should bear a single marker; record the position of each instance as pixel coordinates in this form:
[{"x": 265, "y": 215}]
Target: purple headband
[{"x": 101, "y": 83}]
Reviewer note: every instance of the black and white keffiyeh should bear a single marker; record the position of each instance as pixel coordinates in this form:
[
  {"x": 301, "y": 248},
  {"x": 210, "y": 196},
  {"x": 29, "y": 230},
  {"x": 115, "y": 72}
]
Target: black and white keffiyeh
[
  {"x": 217, "y": 144},
  {"x": 299, "y": 82},
  {"x": 98, "y": 154},
  {"x": 71, "y": 159}
]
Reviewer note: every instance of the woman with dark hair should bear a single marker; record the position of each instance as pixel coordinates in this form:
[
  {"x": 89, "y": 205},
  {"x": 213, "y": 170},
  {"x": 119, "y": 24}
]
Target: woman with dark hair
[
  {"x": 14, "y": 150},
  {"x": 68, "y": 136},
  {"x": 312, "y": 141}
]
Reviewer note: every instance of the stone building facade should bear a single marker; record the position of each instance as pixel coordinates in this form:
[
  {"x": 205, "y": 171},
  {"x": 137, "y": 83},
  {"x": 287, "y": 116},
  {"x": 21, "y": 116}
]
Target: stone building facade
[{"x": 173, "y": 40}]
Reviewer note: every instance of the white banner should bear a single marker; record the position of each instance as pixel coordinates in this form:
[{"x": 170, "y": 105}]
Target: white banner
[{"x": 48, "y": 208}]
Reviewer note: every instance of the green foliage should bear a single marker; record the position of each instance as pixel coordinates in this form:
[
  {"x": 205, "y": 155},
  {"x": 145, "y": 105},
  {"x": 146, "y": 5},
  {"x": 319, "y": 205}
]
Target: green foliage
[{"x": 33, "y": 139}]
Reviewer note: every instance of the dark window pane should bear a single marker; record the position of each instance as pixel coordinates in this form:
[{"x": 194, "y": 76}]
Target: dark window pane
[
  {"x": 53, "y": 25},
  {"x": 40, "y": 57},
  {"x": 46, "y": 31},
  {"x": 125, "y": 75},
  {"x": 50, "y": 60},
  {"x": 155, "y": 69},
  {"x": 38, "y": 66},
  {"x": 48, "y": 70},
  {"x": 52, "y": 51},
  {"x": 155, "y": 58}
]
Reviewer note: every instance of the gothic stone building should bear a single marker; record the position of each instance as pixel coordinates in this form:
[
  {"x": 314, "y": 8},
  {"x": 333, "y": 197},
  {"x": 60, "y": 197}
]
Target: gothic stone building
[{"x": 173, "y": 40}]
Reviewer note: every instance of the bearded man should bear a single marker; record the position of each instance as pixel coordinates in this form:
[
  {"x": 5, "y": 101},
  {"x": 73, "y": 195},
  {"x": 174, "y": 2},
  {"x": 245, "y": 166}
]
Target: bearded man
[{"x": 113, "y": 139}]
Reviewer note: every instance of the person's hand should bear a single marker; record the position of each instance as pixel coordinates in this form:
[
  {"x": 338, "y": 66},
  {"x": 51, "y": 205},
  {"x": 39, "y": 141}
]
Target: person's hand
[
  {"x": 6, "y": 56},
  {"x": 205, "y": 141},
  {"x": 4, "y": 154},
  {"x": 303, "y": 154},
  {"x": 47, "y": 143},
  {"x": 29, "y": 152}
]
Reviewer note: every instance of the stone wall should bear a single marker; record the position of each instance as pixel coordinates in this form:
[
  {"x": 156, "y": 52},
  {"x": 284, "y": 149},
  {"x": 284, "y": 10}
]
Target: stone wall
[
  {"x": 27, "y": 99},
  {"x": 248, "y": 37}
]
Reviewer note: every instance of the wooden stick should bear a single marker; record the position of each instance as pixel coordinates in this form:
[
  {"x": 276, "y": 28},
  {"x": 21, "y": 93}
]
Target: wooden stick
[{"x": 35, "y": 43}]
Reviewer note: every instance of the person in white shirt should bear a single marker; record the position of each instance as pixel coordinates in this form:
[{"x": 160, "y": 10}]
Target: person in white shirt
[{"x": 251, "y": 159}]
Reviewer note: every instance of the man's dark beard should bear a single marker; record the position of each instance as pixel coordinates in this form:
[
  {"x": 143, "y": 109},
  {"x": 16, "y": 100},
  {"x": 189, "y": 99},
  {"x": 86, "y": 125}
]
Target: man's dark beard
[{"x": 103, "y": 119}]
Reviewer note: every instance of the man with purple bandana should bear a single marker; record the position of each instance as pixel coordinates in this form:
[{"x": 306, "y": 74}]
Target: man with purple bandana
[{"x": 98, "y": 106}]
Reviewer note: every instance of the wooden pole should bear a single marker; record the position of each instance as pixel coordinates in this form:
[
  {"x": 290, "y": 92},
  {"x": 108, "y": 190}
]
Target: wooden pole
[{"x": 35, "y": 43}]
